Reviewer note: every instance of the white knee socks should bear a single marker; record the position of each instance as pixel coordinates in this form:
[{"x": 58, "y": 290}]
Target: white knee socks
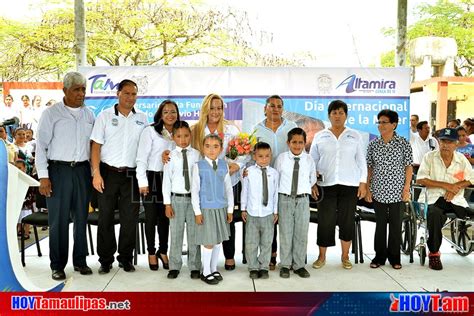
[
  {"x": 206, "y": 255},
  {"x": 215, "y": 257}
]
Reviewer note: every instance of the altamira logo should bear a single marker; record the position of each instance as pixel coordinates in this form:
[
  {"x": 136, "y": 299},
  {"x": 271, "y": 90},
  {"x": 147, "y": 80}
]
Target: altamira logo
[
  {"x": 101, "y": 84},
  {"x": 354, "y": 83}
]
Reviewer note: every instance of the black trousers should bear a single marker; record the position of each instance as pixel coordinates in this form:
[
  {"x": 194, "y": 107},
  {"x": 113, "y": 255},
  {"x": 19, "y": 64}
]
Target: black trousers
[
  {"x": 228, "y": 246},
  {"x": 155, "y": 214},
  {"x": 336, "y": 207},
  {"x": 390, "y": 213},
  {"x": 72, "y": 189},
  {"x": 121, "y": 188},
  {"x": 436, "y": 218}
]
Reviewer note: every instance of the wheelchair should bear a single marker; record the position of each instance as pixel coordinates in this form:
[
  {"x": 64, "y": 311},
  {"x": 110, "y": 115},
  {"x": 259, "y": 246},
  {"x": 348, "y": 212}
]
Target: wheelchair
[{"x": 461, "y": 236}]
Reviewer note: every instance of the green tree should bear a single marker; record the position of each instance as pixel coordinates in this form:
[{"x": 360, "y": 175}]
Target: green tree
[
  {"x": 130, "y": 32},
  {"x": 445, "y": 19}
]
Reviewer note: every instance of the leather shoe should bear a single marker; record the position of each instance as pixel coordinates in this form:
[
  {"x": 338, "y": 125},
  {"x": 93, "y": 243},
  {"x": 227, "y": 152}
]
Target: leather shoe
[
  {"x": 195, "y": 274},
  {"x": 285, "y": 273},
  {"x": 85, "y": 270},
  {"x": 173, "y": 274},
  {"x": 263, "y": 274},
  {"x": 253, "y": 274},
  {"x": 127, "y": 266},
  {"x": 58, "y": 275},
  {"x": 104, "y": 269},
  {"x": 302, "y": 272}
]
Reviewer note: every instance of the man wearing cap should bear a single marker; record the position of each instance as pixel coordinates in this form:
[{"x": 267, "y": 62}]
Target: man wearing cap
[
  {"x": 62, "y": 163},
  {"x": 113, "y": 158},
  {"x": 445, "y": 173}
]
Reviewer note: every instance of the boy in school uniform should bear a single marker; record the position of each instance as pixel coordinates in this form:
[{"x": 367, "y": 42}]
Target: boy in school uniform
[
  {"x": 177, "y": 175},
  {"x": 259, "y": 201},
  {"x": 297, "y": 179}
]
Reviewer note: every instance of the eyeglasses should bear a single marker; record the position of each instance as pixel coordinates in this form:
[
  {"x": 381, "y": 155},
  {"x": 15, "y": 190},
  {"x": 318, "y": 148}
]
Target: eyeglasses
[{"x": 382, "y": 123}]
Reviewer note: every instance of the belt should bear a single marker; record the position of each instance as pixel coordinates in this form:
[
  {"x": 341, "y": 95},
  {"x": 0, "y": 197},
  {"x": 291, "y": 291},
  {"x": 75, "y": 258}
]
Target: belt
[
  {"x": 121, "y": 169},
  {"x": 297, "y": 196},
  {"x": 181, "y": 194},
  {"x": 68, "y": 163}
]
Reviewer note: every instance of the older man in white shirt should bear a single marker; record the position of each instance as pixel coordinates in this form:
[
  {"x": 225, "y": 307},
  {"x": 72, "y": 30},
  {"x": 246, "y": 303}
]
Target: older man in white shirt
[
  {"x": 62, "y": 163},
  {"x": 445, "y": 173}
]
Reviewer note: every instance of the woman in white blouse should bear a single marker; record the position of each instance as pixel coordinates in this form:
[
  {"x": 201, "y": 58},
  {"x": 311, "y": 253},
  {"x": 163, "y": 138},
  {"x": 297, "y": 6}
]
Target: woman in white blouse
[
  {"x": 340, "y": 159},
  {"x": 154, "y": 140},
  {"x": 211, "y": 121}
]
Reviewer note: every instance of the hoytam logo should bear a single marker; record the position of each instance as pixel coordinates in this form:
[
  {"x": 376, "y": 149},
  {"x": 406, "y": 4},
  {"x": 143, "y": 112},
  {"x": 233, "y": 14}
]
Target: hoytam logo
[
  {"x": 435, "y": 303},
  {"x": 354, "y": 83},
  {"x": 101, "y": 84}
]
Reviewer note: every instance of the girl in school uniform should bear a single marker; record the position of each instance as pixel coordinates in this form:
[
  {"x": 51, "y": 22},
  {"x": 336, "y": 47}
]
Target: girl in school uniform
[{"x": 213, "y": 203}]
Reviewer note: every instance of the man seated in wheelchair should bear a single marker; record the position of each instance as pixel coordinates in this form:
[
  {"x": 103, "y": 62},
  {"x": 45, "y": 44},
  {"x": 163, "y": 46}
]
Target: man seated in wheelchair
[{"x": 445, "y": 173}]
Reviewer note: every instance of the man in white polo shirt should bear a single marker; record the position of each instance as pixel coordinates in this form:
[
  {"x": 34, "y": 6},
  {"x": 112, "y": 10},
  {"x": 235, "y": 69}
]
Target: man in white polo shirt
[{"x": 113, "y": 157}]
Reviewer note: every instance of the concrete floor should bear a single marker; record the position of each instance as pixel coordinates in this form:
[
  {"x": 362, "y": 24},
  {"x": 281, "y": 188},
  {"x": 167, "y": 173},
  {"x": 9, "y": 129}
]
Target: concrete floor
[{"x": 457, "y": 275}]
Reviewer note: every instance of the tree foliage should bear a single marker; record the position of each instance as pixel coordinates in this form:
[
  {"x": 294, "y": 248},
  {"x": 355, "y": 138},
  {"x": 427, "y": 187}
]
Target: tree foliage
[
  {"x": 446, "y": 19},
  {"x": 130, "y": 32}
]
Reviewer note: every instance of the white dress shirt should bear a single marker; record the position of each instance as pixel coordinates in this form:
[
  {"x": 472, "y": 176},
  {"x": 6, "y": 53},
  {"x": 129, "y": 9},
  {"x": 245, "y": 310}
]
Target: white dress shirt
[
  {"x": 196, "y": 186},
  {"x": 150, "y": 148},
  {"x": 173, "y": 178},
  {"x": 252, "y": 192},
  {"x": 420, "y": 147},
  {"x": 119, "y": 136},
  {"x": 433, "y": 168},
  {"x": 276, "y": 140},
  {"x": 340, "y": 160},
  {"x": 306, "y": 177},
  {"x": 62, "y": 136},
  {"x": 230, "y": 132}
]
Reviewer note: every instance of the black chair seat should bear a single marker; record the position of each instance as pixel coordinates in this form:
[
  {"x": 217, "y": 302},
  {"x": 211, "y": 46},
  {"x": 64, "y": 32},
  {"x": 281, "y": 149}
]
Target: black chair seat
[{"x": 36, "y": 219}]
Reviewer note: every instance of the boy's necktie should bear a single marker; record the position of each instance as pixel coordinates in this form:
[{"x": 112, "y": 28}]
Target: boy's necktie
[
  {"x": 294, "y": 179},
  {"x": 214, "y": 165},
  {"x": 185, "y": 170},
  {"x": 265, "y": 186}
]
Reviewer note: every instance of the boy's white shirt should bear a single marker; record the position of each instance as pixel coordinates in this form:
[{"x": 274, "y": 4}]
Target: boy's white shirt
[
  {"x": 173, "y": 178},
  {"x": 252, "y": 192}
]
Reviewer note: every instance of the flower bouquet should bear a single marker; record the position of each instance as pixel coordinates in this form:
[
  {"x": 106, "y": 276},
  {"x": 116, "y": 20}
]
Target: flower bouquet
[{"x": 241, "y": 146}]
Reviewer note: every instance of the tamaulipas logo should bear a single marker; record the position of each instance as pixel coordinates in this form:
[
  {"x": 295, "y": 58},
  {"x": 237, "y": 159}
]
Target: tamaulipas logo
[
  {"x": 354, "y": 83},
  {"x": 100, "y": 84}
]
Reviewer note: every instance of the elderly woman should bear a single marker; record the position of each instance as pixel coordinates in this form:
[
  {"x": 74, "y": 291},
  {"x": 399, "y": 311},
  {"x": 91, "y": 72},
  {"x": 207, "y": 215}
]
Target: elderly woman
[
  {"x": 154, "y": 140},
  {"x": 389, "y": 159},
  {"x": 340, "y": 159},
  {"x": 211, "y": 121}
]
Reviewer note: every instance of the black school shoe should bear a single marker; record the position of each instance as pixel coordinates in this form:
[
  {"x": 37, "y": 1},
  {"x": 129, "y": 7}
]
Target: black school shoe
[
  {"x": 285, "y": 273},
  {"x": 195, "y": 274},
  {"x": 173, "y": 274},
  {"x": 263, "y": 274},
  {"x": 253, "y": 274},
  {"x": 209, "y": 279},
  {"x": 302, "y": 272}
]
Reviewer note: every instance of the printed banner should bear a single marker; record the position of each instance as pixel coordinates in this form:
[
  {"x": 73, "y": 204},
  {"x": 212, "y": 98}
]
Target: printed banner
[{"x": 306, "y": 91}]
